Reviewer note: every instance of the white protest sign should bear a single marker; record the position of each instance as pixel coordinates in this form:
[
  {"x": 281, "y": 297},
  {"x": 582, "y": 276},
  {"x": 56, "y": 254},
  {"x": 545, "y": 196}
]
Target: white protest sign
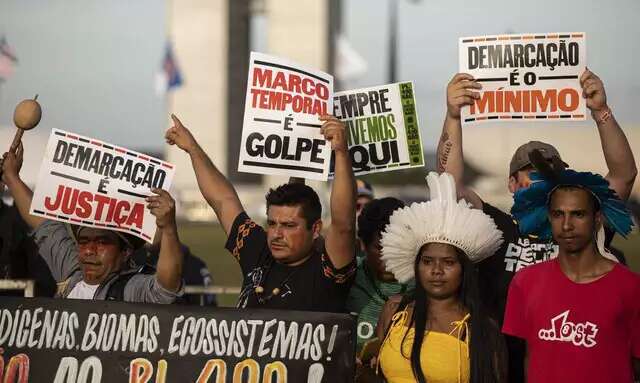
[
  {"x": 88, "y": 182},
  {"x": 530, "y": 77},
  {"x": 281, "y": 130},
  {"x": 382, "y": 127}
]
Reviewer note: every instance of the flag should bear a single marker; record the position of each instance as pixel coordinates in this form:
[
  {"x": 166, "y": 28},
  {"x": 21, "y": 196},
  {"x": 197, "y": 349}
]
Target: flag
[
  {"x": 169, "y": 76},
  {"x": 7, "y": 59}
]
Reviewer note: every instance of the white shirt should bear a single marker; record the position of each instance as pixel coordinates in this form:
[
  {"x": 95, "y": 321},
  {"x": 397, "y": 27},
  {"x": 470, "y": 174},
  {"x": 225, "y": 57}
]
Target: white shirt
[{"x": 83, "y": 290}]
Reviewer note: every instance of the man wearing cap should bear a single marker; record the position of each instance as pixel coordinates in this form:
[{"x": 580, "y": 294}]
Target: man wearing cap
[
  {"x": 91, "y": 263},
  {"x": 518, "y": 250},
  {"x": 364, "y": 195}
]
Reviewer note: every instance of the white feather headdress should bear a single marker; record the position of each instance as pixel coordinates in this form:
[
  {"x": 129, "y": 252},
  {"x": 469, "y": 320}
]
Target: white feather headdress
[{"x": 443, "y": 219}]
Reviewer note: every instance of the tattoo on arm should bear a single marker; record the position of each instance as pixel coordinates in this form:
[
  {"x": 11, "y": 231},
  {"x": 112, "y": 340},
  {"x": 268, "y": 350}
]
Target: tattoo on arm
[{"x": 443, "y": 153}]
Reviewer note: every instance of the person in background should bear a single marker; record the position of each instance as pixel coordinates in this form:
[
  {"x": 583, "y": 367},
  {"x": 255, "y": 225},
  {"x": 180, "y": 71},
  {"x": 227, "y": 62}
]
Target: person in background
[
  {"x": 194, "y": 272},
  {"x": 364, "y": 195},
  {"x": 19, "y": 258},
  {"x": 373, "y": 285}
]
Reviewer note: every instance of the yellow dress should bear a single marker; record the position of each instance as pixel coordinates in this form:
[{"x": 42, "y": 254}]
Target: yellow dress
[{"x": 444, "y": 357}]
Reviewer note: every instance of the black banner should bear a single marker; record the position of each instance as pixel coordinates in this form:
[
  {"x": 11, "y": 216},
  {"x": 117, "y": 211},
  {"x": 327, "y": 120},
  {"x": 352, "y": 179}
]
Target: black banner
[{"x": 64, "y": 341}]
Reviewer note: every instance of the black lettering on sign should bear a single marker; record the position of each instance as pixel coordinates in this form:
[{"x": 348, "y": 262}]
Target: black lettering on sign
[{"x": 549, "y": 54}]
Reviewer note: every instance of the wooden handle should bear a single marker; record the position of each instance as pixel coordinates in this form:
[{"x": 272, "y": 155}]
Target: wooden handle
[{"x": 16, "y": 140}]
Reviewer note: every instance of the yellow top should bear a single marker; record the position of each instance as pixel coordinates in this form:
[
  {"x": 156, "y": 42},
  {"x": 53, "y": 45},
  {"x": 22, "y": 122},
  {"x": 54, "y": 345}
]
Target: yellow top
[{"x": 444, "y": 357}]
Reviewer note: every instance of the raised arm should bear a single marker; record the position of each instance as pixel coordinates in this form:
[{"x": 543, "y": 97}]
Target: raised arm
[
  {"x": 341, "y": 237},
  {"x": 460, "y": 92},
  {"x": 214, "y": 186},
  {"x": 389, "y": 308},
  {"x": 170, "y": 259},
  {"x": 616, "y": 149},
  {"x": 22, "y": 195}
]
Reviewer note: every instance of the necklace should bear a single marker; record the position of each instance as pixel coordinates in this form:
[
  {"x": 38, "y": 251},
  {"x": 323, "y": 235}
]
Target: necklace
[{"x": 259, "y": 289}]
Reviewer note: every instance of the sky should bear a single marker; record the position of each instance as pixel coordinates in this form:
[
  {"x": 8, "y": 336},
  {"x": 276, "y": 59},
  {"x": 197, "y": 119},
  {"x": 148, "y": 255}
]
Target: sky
[
  {"x": 428, "y": 33},
  {"x": 93, "y": 63}
]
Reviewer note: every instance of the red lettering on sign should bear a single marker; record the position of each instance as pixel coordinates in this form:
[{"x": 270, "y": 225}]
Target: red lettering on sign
[
  {"x": 84, "y": 204},
  {"x": 526, "y": 101}
]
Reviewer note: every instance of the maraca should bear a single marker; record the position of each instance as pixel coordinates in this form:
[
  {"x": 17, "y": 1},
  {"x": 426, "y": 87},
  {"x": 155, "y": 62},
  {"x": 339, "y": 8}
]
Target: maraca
[{"x": 26, "y": 116}]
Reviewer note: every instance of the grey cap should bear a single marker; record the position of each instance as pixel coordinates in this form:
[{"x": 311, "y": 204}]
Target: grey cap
[
  {"x": 520, "y": 158},
  {"x": 364, "y": 189}
]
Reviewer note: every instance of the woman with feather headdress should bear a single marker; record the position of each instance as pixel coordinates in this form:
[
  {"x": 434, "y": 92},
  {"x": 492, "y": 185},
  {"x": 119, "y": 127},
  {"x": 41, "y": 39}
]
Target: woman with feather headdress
[{"x": 440, "y": 332}]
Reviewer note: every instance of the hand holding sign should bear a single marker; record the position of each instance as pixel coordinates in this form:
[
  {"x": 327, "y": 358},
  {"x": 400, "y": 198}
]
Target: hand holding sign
[
  {"x": 333, "y": 131},
  {"x": 180, "y": 136},
  {"x": 460, "y": 93},
  {"x": 593, "y": 91},
  {"x": 12, "y": 163},
  {"x": 163, "y": 207}
]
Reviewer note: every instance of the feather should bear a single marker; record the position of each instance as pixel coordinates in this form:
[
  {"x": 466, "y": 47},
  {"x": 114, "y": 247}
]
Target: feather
[
  {"x": 530, "y": 205},
  {"x": 443, "y": 219}
]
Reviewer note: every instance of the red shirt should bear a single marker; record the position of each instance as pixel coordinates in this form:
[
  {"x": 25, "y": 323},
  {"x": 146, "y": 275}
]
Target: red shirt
[{"x": 575, "y": 332}]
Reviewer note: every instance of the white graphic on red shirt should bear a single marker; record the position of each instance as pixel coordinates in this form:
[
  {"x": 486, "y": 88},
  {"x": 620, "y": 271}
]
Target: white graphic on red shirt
[{"x": 580, "y": 334}]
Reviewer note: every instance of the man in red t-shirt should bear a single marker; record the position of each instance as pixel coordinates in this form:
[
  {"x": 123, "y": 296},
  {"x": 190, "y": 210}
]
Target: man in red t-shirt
[{"x": 580, "y": 312}]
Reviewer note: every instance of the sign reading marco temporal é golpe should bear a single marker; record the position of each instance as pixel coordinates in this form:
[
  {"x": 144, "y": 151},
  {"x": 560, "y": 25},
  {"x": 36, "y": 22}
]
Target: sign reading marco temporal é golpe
[{"x": 281, "y": 130}]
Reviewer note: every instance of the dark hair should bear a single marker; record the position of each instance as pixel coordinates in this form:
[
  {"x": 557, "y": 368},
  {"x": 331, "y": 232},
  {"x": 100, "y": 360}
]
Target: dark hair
[
  {"x": 297, "y": 194},
  {"x": 593, "y": 201},
  {"x": 486, "y": 346},
  {"x": 375, "y": 216}
]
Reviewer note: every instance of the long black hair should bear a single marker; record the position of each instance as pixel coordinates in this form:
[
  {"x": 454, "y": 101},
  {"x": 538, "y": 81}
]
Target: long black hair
[{"x": 487, "y": 350}]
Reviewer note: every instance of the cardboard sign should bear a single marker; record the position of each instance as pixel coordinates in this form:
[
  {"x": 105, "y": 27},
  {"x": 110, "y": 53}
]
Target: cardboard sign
[
  {"x": 532, "y": 77},
  {"x": 88, "y": 182},
  {"x": 382, "y": 128},
  {"x": 68, "y": 340},
  {"x": 281, "y": 130}
]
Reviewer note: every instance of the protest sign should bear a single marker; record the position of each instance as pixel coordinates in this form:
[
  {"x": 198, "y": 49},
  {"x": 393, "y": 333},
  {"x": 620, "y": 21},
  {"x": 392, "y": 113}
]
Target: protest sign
[
  {"x": 532, "y": 77},
  {"x": 84, "y": 181},
  {"x": 281, "y": 130},
  {"x": 46, "y": 340},
  {"x": 382, "y": 128}
]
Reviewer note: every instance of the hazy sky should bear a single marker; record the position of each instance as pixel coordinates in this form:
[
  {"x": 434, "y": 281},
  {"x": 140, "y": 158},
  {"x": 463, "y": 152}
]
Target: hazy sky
[
  {"x": 94, "y": 62},
  {"x": 429, "y": 30}
]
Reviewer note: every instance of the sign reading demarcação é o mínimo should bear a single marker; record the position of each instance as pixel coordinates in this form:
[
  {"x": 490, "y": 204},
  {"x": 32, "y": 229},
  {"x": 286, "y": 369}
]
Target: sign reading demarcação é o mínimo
[
  {"x": 281, "y": 130},
  {"x": 382, "y": 127},
  {"x": 46, "y": 340},
  {"x": 84, "y": 181},
  {"x": 530, "y": 77}
]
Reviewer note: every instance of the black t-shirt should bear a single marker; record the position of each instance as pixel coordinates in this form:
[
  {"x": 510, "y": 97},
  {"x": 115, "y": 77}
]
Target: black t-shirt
[
  {"x": 19, "y": 256},
  {"x": 516, "y": 252},
  {"x": 315, "y": 285}
]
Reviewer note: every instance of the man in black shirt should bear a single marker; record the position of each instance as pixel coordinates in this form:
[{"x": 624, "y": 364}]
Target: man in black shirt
[
  {"x": 518, "y": 251},
  {"x": 288, "y": 265},
  {"x": 19, "y": 258}
]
